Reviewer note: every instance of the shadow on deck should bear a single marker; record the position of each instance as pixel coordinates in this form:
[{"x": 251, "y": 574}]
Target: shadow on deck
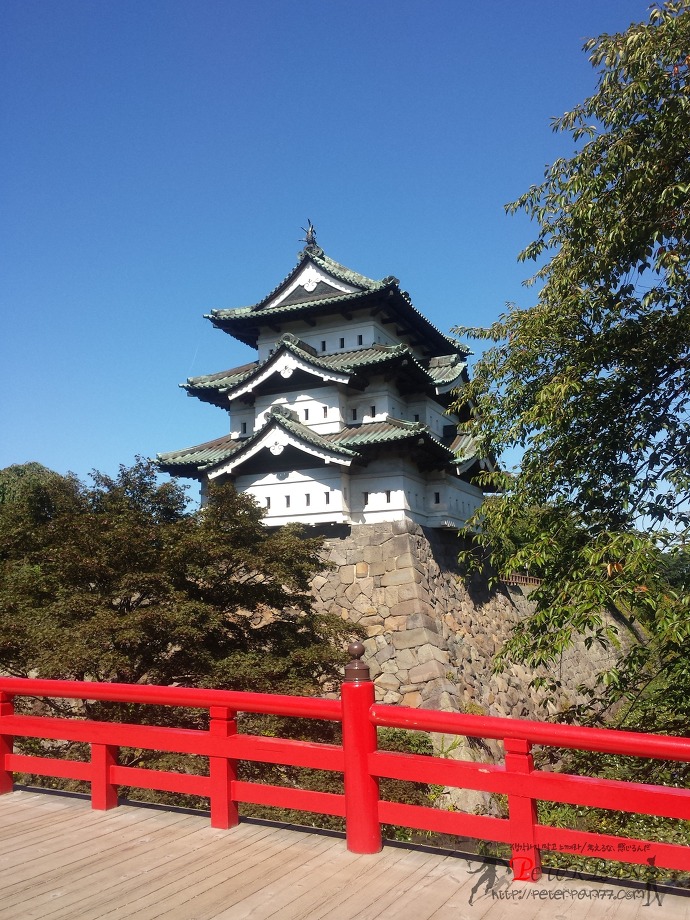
[{"x": 60, "y": 859}]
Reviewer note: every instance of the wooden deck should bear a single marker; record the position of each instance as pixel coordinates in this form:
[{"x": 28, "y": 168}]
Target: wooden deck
[{"x": 60, "y": 859}]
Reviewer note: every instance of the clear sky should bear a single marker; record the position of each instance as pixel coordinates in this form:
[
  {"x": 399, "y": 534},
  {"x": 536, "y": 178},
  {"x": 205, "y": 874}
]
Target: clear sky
[{"x": 158, "y": 158}]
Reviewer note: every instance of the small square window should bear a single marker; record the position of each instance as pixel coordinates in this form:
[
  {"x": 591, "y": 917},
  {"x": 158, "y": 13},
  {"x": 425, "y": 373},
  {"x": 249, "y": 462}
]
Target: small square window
[
  {"x": 342, "y": 343},
  {"x": 360, "y": 340},
  {"x": 354, "y": 415},
  {"x": 437, "y": 498},
  {"x": 306, "y": 415},
  {"x": 307, "y": 499},
  {"x": 244, "y": 427},
  {"x": 323, "y": 346},
  {"x": 416, "y": 418},
  {"x": 325, "y": 411},
  {"x": 287, "y": 501},
  {"x": 388, "y": 496},
  {"x": 328, "y": 497}
]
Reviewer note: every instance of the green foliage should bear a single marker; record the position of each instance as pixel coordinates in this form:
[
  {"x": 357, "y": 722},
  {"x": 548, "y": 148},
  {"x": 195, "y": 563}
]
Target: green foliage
[
  {"x": 116, "y": 582},
  {"x": 593, "y": 381}
]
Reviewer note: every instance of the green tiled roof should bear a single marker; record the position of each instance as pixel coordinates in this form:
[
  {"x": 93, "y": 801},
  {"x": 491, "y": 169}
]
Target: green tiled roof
[
  {"x": 446, "y": 369},
  {"x": 221, "y": 380},
  {"x": 328, "y": 265},
  {"x": 243, "y": 321},
  {"x": 346, "y": 362},
  {"x": 256, "y": 313},
  {"x": 290, "y": 423},
  {"x": 199, "y": 457}
]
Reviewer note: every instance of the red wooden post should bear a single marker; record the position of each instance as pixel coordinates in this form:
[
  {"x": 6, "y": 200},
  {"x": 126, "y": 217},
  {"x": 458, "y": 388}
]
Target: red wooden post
[
  {"x": 6, "y": 743},
  {"x": 362, "y": 827},
  {"x": 526, "y": 861},
  {"x": 103, "y": 792},
  {"x": 223, "y": 771}
]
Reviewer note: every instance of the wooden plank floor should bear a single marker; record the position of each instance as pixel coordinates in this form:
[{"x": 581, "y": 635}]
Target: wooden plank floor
[{"x": 60, "y": 859}]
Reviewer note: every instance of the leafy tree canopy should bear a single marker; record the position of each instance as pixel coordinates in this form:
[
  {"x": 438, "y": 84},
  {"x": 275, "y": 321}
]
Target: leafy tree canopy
[
  {"x": 115, "y": 581},
  {"x": 592, "y": 382}
]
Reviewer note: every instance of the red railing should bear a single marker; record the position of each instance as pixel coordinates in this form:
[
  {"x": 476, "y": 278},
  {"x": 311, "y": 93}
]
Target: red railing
[{"x": 360, "y": 762}]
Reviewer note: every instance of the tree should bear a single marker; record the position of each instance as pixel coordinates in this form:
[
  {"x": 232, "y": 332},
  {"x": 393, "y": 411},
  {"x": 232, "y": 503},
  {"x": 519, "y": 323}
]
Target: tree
[
  {"x": 592, "y": 382},
  {"x": 116, "y": 582}
]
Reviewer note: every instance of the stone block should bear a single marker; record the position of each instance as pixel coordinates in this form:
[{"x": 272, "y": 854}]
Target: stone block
[
  {"x": 352, "y": 592},
  {"x": 430, "y": 670},
  {"x": 338, "y": 558},
  {"x": 385, "y": 653},
  {"x": 396, "y": 546},
  {"x": 412, "y": 638},
  {"x": 366, "y": 586},
  {"x": 440, "y": 685},
  {"x": 417, "y": 612},
  {"x": 432, "y": 653},
  {"x": 406, "y": 560},
  {"x": 371, "y": 621},
  {"x": 400, "y": 577},
  {"x": 413, "y": 698},
  {"x": 407, "y": 658},
  {"x": 391, "y": 596},
  {"x": 371, "y": 554},
  {"x": 410, "y": 591},
  {"x": 387, "y": 682},
  {"x": 377, "y": 568},
  {"x": 328, "y": 592},
  {"x": 347, "y": 574},
  {"x": 391, "y": 697},
  {"x": 389, "y": 667},
  {"x": 395, "y": 624},
  {"x": 370, "y": 649},
  {"x": 361, "y": 569},
  {"x": 375, "y": 629},
  {"x": 403, "y": 527}
]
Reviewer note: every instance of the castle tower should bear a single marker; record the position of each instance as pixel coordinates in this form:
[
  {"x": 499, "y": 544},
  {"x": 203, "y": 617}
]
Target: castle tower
[{"x": 342, "y": 418}]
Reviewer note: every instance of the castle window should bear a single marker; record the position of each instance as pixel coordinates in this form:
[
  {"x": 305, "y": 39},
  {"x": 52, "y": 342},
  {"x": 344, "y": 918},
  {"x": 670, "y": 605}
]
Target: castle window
[
  {"x": 360, "y": 340},
  {"x": 325, "y": 411},
  {"x": 306, "y": 415},
  {"x": 373, "y": 411},
  {"x": 307, "y": 499},
  {"x": 328, "y": 497},
  {"x": 354, "y": 415},
  {"x": 268, "y": 503},
  {"x": 244, "y": 427},
  {"x": 323, "y": 345},
  {"x": 287, "y": 501},
  {"x": 437, "y": 498},
  {"x": 366, "y": 497},
  {"x": 342, "y": 343},
  {"x": 416, "y": 418},
  {"x": 388, "y": 496}
]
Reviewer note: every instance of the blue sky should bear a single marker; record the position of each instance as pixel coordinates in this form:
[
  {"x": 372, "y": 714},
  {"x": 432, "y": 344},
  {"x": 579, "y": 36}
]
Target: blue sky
[{"x": 159, "y": 157}]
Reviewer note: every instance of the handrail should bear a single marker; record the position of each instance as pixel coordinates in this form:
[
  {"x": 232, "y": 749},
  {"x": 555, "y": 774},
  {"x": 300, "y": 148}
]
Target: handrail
[
  {"x": 360, "y": 762},
  {"x": 191, "y": 697},
  {"x": 575, "y": 737}
]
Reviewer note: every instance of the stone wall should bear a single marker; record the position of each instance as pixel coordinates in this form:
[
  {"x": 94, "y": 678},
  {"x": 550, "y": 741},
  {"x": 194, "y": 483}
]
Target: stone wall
[{"x": 430, "y": 638}]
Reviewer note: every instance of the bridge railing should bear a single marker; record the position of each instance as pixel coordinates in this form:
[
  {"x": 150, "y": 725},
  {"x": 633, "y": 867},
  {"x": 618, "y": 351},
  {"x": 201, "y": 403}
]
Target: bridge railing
[{"x": 360, "y": 762}]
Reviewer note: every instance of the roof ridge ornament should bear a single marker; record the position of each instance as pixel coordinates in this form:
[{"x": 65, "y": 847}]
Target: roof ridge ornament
[{"x": 312, "y": 247}]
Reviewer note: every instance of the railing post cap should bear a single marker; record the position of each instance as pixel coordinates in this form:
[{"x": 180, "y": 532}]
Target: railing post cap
[{"x": 356, "y": 671}]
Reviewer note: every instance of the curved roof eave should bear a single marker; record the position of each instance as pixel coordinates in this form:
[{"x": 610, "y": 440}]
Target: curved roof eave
[{"x": 275, "y": 436}]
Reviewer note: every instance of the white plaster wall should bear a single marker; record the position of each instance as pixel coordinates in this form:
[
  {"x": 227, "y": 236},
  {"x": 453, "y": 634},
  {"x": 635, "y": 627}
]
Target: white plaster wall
[
  {"x": 330, "y": 330},
  {"x": 298, "y": 495}
]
